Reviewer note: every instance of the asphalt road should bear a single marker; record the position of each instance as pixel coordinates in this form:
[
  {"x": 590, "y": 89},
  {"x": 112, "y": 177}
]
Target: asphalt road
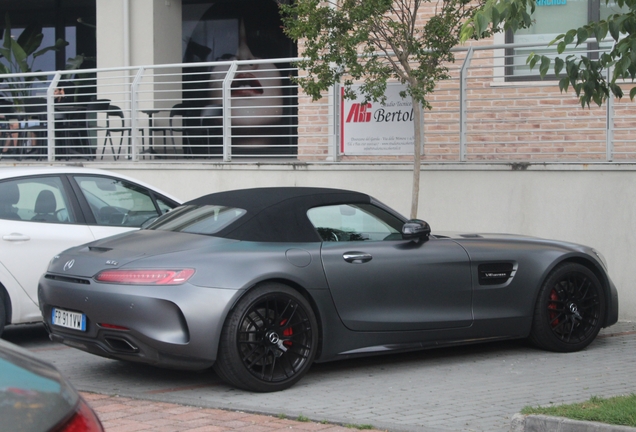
[{"x": 475, "y": 388}]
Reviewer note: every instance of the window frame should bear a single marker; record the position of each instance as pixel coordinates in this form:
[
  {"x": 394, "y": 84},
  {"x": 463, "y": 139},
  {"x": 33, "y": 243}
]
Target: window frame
[{"x": 593, "y": 14}]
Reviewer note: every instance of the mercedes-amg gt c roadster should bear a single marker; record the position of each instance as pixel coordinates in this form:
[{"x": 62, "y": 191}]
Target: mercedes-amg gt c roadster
[{"x": 260, "y": 283}]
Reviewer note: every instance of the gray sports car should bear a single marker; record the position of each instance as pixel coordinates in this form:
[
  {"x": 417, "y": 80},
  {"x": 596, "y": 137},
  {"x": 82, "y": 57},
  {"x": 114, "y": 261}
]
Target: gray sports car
[{"x": 260, "y": 283}]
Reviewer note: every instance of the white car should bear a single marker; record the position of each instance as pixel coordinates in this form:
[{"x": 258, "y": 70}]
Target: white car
[{"x": 46, "y": 210}]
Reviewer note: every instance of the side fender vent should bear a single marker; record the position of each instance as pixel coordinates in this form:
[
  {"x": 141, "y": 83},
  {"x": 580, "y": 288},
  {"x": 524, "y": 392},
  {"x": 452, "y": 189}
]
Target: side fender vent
[{"x": 495, "y": 273}]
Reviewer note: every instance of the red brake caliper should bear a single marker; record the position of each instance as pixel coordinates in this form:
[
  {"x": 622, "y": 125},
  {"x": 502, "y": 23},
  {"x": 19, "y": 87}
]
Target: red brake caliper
[
  {"x": 554, "y": 297},
  {"x": 287, "y": 333}
]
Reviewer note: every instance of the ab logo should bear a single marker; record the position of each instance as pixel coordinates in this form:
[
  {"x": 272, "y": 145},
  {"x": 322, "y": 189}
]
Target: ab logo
[{"x": 359, "y": 113}]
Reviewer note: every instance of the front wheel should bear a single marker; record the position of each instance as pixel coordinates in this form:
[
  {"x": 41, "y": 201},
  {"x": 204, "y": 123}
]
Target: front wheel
[
  {"x": 570, "y": 309},
  {"x": 3, "y": 313},
  {"x": 269, "y": 340}
]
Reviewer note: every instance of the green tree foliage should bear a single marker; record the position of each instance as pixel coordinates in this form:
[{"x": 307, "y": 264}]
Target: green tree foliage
[
  {"x": 373, "y": 41},
  {"x": 588, "y": 77},
  {"x": 18, "y": 56}
]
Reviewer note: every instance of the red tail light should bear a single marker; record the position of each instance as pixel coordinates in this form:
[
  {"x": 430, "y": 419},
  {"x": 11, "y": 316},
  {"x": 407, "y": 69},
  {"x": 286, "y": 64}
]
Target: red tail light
[
  {"x": 145, "y": 277},
  {"x": 84, "y": 420}
]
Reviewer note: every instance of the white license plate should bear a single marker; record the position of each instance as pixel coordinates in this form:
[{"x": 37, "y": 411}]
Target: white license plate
[{"x": 68, "y": 319}]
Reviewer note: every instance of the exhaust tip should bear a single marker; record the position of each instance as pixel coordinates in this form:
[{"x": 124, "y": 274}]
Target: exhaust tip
[{"x": 121, "y": 345}]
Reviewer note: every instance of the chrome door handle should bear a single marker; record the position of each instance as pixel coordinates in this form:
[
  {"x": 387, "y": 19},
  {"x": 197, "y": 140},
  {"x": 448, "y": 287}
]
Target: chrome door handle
[
  {"x": 16, "y": 237},
  {"x": 357, "y": 257}
]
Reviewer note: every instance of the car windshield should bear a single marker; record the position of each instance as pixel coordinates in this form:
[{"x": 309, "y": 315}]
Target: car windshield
[{"x": 197, "y": 219}]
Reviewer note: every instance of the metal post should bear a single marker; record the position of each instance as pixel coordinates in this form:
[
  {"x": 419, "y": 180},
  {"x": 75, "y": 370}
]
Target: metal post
[
  {"x": 463, "y": 104},
  {"x": 134, "y": 106},
  {"x": 337, "y": 119},
  {"x": 227, "y": 113},
  {"x": 50, "y": 117},
  {"x": 609, "y": 136}
]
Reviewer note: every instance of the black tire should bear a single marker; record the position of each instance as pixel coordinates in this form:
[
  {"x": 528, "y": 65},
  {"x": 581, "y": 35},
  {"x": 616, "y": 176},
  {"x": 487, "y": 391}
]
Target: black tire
[
  {"x": 268, "y": 341},
  {"x": 570, "y": 309},
  {"x": 3, "y": 312}
]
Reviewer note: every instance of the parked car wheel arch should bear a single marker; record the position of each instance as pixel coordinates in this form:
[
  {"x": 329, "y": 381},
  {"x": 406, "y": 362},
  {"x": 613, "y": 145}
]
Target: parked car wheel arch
[
  {"x": 248, "y": 354},
  {"x": 593, "y": 267},
  {"x": 5, "y": 308},
  {"x": 296, "y": 287},
  {"x": 570, "y": 310}
]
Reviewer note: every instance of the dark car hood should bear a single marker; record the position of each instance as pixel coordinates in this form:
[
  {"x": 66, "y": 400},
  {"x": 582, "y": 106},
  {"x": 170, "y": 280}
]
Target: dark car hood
[{"x": 113, "y": 252}]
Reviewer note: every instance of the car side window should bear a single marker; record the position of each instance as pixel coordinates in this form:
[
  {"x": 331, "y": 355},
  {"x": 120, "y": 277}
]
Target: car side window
[
  {"x": 35, "y": 199},
  {"x": 359, "y": 222},
  {"x": 115, "y": 202}
]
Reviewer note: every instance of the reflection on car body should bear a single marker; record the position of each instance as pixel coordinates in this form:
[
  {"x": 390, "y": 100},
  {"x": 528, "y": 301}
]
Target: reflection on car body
[{"x": 35, "y": 397}]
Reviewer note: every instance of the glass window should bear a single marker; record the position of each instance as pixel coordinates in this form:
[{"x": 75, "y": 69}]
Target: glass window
[
  {"x": 164, "y": 206},
  {"x": 40, "y": 199},
  {"x": 361, "y": 222},
  {"x": 116, "y": 202},
  {"x": 263, "y": 105},
  {"x": 194, "y": 219},
  {"x": 552, "y": 18}
]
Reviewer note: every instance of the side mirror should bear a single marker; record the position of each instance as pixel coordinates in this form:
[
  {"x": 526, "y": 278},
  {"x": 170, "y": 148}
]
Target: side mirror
[{"x": 415, "y": 229}]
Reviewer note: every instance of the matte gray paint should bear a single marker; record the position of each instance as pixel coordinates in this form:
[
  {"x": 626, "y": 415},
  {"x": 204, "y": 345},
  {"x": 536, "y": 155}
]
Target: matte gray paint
[{"x": 180, "y": 325}]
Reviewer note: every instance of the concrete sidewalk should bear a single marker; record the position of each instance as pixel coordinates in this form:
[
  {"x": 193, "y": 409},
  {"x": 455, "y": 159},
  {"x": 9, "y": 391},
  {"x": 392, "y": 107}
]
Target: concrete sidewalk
[{"x": 468, "y": 388}]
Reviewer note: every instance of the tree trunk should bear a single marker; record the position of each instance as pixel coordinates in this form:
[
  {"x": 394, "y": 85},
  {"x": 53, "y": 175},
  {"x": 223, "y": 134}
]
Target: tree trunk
[{"x": 418, "y": 126}]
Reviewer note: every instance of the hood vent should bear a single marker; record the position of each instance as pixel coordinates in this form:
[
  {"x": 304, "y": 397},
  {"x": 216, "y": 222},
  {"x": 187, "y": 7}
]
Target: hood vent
[
  {"x": 495, "y": 273},
  {"x": 99, "y": 249}
]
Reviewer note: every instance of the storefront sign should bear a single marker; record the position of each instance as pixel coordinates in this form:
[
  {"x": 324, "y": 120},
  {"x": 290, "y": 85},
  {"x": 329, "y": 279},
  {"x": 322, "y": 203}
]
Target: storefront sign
[
  {"x": 551, "y": 2},
  {"x": 375, "y": 128}
]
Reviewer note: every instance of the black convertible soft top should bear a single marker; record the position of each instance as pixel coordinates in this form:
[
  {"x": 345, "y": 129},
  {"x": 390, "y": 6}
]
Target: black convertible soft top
[{"x": 277, "y": 214}]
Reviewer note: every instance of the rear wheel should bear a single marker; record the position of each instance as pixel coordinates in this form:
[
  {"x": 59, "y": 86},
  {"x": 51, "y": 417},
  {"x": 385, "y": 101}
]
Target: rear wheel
[
  {"x": 269, "y": 341},
  {"x": 570, "y": 309}
]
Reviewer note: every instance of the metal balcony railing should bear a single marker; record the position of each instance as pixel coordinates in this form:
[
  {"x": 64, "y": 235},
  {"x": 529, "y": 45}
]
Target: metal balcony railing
[{"x": 492, "y": 109}]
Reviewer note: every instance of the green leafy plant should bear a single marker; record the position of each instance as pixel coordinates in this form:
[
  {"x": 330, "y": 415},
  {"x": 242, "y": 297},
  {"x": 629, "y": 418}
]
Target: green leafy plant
[
  {"x": 359, "y": 426},
  {"x": 374, "y": 41},
  {"x": 19, "y": 56},
  {"x": 587, "y": 76}
]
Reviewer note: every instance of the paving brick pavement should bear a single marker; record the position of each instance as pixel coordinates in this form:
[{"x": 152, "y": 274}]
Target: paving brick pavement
[
  {"x": 471, "y": 388},
  {"x": 122, "y": 414}
]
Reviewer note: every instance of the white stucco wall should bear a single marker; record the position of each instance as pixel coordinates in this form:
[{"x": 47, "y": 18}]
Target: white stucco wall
[{"x": 590, "y": 204}]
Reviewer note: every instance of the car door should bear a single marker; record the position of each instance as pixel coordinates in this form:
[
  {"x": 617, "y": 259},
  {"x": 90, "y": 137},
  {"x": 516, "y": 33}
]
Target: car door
[
  {"x": 113, "y": 205},
  {"x": 380, "y": 282},
  {"x": 38, "y": 219}
]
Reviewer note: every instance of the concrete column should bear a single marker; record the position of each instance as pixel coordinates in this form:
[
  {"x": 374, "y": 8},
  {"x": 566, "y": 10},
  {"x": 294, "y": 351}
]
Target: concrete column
[
  {"x": 154, "y": 32},
  {"x": 140, "y": 33}
]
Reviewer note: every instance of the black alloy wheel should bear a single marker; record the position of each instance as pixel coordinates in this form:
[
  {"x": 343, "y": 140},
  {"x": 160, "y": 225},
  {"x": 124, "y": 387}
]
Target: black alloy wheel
[
  {"x": 269, "y": 341},
  {"x": 570, "y": 309}
]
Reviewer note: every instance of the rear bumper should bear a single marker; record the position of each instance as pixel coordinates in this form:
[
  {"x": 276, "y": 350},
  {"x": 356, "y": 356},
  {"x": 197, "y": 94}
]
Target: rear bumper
[
  {"x": 118, "y": 345},
  {"x": 177, "y": 326}
]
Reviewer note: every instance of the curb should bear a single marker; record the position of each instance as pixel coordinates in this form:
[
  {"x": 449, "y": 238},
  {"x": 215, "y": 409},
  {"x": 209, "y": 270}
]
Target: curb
[{"x": 543, "y": 423}]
